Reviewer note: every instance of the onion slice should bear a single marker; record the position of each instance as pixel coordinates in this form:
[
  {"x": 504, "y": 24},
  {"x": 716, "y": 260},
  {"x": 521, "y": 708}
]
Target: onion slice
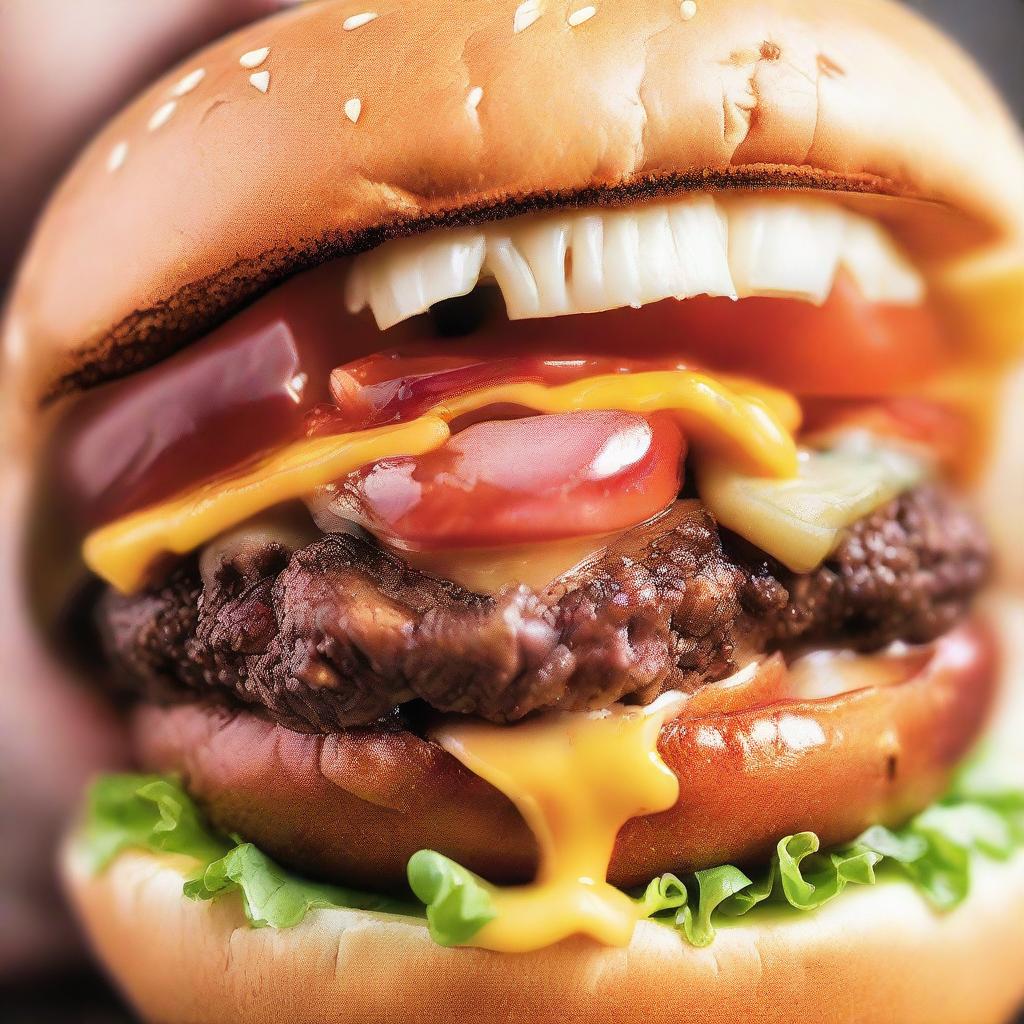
[
  {"x": 800, "y": 521},
  {"x": 586, "y": 261}
]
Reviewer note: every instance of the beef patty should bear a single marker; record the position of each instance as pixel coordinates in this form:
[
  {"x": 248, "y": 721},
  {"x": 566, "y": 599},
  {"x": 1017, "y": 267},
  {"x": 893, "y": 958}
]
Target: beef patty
[{"x": 340, "y": 632}]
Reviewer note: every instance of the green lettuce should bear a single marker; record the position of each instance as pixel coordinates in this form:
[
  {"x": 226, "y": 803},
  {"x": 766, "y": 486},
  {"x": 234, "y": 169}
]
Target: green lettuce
[
  {"x": 458, "y": 903},
  {"x": 983, "y": 815},
  {"x": 148, "y": 812},
  {"x": 155, "y": 813}
]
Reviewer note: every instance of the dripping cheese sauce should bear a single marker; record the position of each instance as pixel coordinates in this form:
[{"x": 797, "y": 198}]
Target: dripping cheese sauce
[{"x": 576, "y": 778}]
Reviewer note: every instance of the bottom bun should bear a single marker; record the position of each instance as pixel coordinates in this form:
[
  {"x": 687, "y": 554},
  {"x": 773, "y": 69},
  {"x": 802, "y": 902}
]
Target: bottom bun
[{"x": 875, "y": 955}]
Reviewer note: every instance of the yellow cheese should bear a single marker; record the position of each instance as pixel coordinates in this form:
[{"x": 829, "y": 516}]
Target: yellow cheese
[
  {"x": 749, "y": 425},
  {"x": 487, "y": 570},
  {"x": 800, "y": 520},
  {"x": 576, "y": 778},
  {"x": 983, "y": 298},
  {"x": 123, "y": 551}
]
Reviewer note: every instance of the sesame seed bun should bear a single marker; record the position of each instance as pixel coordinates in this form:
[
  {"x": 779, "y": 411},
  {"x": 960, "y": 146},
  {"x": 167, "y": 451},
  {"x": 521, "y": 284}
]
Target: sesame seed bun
[
  {"x": 876, "y": 955},
  {"x": 322, "y": 130},
  {"x": 317, "y": 134}
]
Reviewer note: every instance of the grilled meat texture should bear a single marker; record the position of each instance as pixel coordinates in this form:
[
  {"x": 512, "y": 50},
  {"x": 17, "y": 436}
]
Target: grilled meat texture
[{"x": 340, "y": 632}]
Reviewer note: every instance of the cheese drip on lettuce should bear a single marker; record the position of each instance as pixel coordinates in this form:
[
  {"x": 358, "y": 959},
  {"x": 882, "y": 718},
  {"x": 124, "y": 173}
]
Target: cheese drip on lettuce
[{"x": 982, "y": 816}]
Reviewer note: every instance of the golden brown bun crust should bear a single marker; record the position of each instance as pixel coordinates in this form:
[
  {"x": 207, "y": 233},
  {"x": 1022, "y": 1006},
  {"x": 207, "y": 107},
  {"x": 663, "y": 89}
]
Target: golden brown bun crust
[
  {"x": 875, "y": 956},
  {"x": 257, "y": 171}
]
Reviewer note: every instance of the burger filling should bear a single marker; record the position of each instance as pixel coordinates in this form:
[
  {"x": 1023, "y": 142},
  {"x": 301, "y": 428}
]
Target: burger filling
[
  {"x": 340, "y": 631},
  {"x": 542, "y": 527}
]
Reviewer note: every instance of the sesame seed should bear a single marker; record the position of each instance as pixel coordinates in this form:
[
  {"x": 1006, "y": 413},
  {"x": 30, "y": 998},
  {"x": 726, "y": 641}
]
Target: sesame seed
[
  {"x": 117, "y": 157},
  {"x": 476, "y": 94},
  {"x": 353, "y": 108},
  {"x": 254, "y": 58},
  {"x": 526, "y": 14},
  {"x": 688, "y": 9},
  {"x": 189, "y": 82},
  {"x": 358, "y": 20},
  {"x": 161, "y": 116},
  {"x": 580, "y": 16},
  {"x": 260, "y": 80}
]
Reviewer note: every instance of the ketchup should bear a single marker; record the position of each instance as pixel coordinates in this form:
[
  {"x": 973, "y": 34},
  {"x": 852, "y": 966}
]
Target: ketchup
[
  {"x": 242, "y": 391},
  {"x": 295, "y": 364},
  {"x": 522, "y": 481},
  {"x": 394, "y": 386}
]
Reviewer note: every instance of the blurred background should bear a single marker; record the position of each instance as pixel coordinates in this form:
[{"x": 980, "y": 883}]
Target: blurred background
[{"x": 67, "y": 66}]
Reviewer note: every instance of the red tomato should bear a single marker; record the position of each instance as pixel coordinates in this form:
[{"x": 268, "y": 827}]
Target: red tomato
[
  {"x": 252, "y": 384},
  {"x": 944, "y": 431},
  {"x": 847, "y": 347},
  {"x": 517, "y": 481}
]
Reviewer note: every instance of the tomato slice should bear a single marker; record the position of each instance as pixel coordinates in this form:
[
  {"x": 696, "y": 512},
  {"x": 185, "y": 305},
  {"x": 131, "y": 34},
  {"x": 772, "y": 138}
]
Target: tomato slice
[
  {"x": 941, "y": 430},
  {"x": 261, "y": 380},
  {"x": 847, "y": 347},
  {"x": 518, "y": 481}
]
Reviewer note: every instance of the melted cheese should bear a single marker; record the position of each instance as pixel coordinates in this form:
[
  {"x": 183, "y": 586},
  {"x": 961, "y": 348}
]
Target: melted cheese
[
  {"x": 122, "y": 552},
  {"x": 751, "y": 426},
  {"x": 982, "y": 296},
  {"x": 800, "y": 520},
  {"x": 576, "y": 779},
  {"x": 748, "y": 424},
  {"x": 488, "y": 570}
]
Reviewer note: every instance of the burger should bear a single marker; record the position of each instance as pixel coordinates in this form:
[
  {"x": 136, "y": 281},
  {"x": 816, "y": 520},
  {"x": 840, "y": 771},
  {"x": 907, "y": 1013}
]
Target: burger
[{"x": 537, "y": 480}]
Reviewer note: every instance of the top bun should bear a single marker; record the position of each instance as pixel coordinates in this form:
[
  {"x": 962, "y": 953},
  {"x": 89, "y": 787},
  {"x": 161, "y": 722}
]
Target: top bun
[{"x": 320, "y": 131}]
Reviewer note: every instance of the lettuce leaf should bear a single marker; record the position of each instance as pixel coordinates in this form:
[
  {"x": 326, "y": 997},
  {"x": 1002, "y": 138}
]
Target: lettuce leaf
[
  {"x": 276, "y": 898},
  {"x": 458, "y": 903},
  {"x": 155, "y": 813},
  {"x": 983, "y": 815},
  {"x": 715, "y": 887},
  {"x": 148, "y": 812}
]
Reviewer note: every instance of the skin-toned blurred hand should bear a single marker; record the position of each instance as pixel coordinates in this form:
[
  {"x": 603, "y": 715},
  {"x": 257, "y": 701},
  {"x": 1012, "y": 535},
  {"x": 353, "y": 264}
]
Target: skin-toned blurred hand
[{"x": 68, "y": 65}]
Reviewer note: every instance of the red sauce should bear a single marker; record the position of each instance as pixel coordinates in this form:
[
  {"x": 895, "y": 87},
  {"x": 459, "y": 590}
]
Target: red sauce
[
  {"x": 394, "y": 386},
  {"x": 243, "y": 390},
  {"x": 265, "y": 378}
]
